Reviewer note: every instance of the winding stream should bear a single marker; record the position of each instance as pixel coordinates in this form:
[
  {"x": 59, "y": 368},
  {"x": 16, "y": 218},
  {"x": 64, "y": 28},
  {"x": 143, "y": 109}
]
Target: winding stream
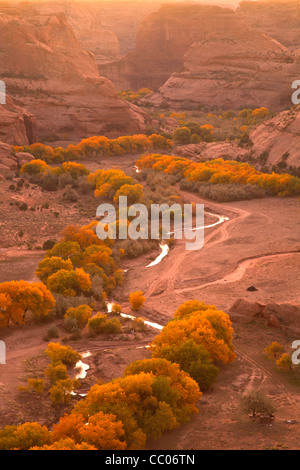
[
  {"x": 81, "y": 367},
  {"x": 156, "y": 326},
  {"x": 165, "y": 248},
  {"x": 164, "y": 252}
]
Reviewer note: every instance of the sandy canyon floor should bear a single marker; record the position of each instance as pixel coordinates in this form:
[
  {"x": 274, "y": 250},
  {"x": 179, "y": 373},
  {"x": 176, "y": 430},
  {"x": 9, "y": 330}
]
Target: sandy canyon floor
[{"x": 259, "y": 245}]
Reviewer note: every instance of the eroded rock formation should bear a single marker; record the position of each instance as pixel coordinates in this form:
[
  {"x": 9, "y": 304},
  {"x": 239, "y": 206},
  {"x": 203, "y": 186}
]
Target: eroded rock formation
[
  {"x": 237, "y": 69},
  {"x": 49, "y": 74},
  {"x": 17, "y": 126},
  {"x": 208, "y": 55},
  {"x": 285, "y": 316},
  {"x": 279, "y": 138},
  {"x": 280, "y": 19},
  {"x": 162, "y": 40},
  {"x": 11, "y": 163}
]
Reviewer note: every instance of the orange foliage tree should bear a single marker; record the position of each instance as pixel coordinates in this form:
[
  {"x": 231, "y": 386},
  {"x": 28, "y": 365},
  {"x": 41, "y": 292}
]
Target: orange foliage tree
[
  {"x": 49, "y": 266},
  {"x": 103, "y": 431},
  {"x": 208, "y": 327},
  {"x": 17, "y": 297},
  {"x": 136, "y": 300},
  {"x": 145, "y": 403},
  {"x": 222, "y": 171},
  {"x": 24, "y": 436},
  {"x": 69, "y": 283}
]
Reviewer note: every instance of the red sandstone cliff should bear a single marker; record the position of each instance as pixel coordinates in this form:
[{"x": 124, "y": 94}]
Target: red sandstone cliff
[
  {"x": 17, "y": 126},
  {"x": 237, "y": 69},
  {"x": 49, "y": 74},
  {"x": 162, "y": 40},
  {"x": 279, "y": 138},
  {"x": 279, "y": 19}
]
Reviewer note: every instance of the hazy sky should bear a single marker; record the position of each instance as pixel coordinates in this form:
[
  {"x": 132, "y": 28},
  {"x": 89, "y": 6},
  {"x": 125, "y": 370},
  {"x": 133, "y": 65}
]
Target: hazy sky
[{"x": 219, "y": 2}]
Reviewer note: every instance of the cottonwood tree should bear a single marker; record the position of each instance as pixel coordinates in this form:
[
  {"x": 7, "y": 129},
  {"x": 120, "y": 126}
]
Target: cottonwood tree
[{"x": 18, "y": 297}]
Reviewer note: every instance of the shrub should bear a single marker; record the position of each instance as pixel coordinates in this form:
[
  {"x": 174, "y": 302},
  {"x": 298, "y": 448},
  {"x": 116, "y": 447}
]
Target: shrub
[
  {"x": 23, "y": 206},
  {"x": 136, "y": 300},
  {"x": 48, "y": 245},
  {"x": 256, "y": 402},
  {"x": 285, "y": 362},
  {"x": 81, "y": 314},
  {"x": 138, "y": 324},
  {"x": 49, "y": 182},
  {"x": 34, "y": 385},
  {"x": 70, "y": 195},
  {"x": 274, "y": 350},
  {"x": 52, "y": 332},
  {"x": 99, "y": 324},
  {"x": 64, "y": 354},
  {"x": 116, "y": 309}
]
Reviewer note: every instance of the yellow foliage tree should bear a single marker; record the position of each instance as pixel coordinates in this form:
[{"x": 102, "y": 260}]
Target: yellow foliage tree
[
  {"x": 24, "y": 436},
  {"x": 208, "y": 327},
  {"x": 285, "y": 362},
  {"x": 49, "y": 266},
  {"x": 274, "y": 350},
  {"x": 20, "y": 296},
  {"x": 65, "y": 354},
  {"x": 69, "y": 283},
  {"x": 81, "y": 314}
]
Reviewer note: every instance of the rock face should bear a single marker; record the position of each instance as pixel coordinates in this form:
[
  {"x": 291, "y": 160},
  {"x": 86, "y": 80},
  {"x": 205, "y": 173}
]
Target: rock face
[
  {"x": 196, "y": 54},
  {"x": 86, "y": 21},
  {"x": 279, "y": 138},
  {"x": 284, "y": 316},
  {"x": 104, "y": 28},
  {"x": 210, "y": 151},
  {"x": 50, "y": 75},
  {"x": 9, "y": 163},
  {"x": 280, "y": 19},
  {"x": 17, "y": 126},
  {"x": 238, "y": 69},
  {"x": 162, "y": 40}
]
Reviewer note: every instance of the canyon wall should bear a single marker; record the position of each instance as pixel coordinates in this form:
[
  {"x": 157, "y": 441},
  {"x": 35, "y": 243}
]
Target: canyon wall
[
  {"x": 213, "y": 56},
  {"x": 279, "y": 138},
  {"x": 279, "y": 19},
  {"x": 48, "y": 73},
  {"x": 162, "y": 40},
  {"x": 238, "y": 69},
  {"x": 17, "y": 125}
]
